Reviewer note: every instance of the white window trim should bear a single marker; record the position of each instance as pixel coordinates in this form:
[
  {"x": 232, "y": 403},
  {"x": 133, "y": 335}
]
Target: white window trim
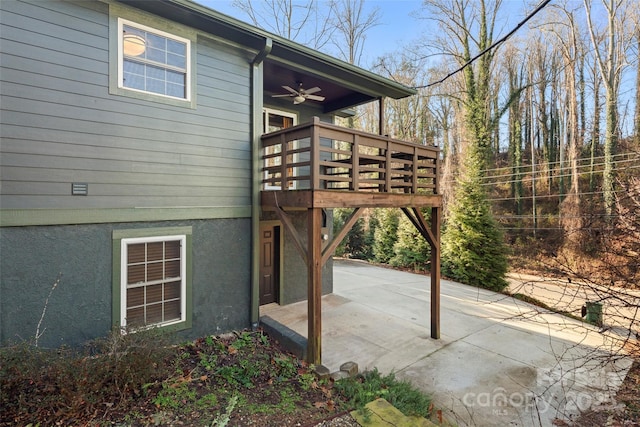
[
  {"x": 121, "y": 23},
  {"x": 125, "y": 242},
  {"x": 265, "y": 125}
]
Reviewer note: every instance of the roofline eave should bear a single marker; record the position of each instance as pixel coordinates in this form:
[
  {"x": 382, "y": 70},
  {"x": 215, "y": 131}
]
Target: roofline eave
[{"x": 284, "y": 51}]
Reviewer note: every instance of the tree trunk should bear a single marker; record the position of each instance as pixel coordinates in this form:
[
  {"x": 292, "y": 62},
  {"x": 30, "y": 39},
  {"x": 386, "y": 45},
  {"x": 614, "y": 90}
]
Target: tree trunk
[
  {"x": 595, "y": 133},
  {"x": 636, "y": 120},
  {"x": 611, "y": 64}
]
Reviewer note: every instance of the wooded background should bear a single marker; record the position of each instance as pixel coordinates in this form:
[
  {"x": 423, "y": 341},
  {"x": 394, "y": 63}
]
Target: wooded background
[{"x": 540, "y": 133}]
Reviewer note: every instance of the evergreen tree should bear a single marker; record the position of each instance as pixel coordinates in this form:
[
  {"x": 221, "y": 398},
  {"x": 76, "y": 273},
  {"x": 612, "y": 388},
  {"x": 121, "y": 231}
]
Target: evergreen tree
[
  {"x": 386, "y": 235},
  {"x": 370, "y": 236},
  {"x": 411, "y": 249},
  {"x": 353, "y": 245},
  {"x": 473, "y": 248}
]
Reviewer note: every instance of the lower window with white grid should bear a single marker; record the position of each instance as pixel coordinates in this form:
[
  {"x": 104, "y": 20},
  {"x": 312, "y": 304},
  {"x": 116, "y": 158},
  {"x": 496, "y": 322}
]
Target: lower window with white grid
[{"x": 153, "y": 281}]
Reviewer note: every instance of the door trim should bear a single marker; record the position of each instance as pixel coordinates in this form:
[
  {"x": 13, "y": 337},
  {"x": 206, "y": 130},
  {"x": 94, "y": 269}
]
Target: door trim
[{"x": 280, "y": 249}]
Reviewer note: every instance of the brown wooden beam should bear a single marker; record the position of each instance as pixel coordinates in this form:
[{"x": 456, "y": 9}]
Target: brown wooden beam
[
  {"x": 355, "y": 161},
  {"x": 304, "y": 199},
  {"x": 436, "y": 214},
  {"x": 348, "y": 225},
  {"x": 432, "y": 236},
  {"x": 418, "y": 221},
  {"x": 288, "y": 225},
  {"x": 381, "y": 118},
  {"x": 314, "y": 286}
]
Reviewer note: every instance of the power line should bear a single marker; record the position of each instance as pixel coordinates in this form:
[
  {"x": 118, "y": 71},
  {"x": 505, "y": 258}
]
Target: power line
[
  {"x": 547, "y": 228},
  {"x": 564, "y": 165},
  {"x": 567, "y": 175},
  {"x": 541, "y": 176},
  {"x": 548, "y": 216},
  {"x": 547, "y": 165},
  {"x": 545, "y": 196},
  {"x": 493, "y": 45},
  {"x": 542, "y": 165}
]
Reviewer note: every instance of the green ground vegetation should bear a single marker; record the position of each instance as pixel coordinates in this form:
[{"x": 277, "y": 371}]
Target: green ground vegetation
[{"x": 138, "y": 379}]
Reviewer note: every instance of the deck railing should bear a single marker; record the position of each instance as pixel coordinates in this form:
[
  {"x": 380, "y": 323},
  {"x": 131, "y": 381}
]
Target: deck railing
[{"x": 321, "y": 156}]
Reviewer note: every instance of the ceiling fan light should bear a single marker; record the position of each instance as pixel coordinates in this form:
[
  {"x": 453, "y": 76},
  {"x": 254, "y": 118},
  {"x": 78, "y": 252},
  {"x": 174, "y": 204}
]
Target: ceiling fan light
[{"x": 298, "y": 99}]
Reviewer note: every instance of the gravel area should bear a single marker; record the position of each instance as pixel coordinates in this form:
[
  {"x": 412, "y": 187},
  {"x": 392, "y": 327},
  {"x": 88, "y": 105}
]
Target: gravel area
[{"x": 344, "y": 420}]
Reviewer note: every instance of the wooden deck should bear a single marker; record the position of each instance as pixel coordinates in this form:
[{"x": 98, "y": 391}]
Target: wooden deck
[
  {"x": 323, "y": 165},
  {"x": 318, "y": 165}
]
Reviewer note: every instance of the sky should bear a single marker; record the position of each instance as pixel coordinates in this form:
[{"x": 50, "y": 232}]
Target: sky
[
  {"x": 396, "y": 28},
  {"x": 399, "y": 27}
]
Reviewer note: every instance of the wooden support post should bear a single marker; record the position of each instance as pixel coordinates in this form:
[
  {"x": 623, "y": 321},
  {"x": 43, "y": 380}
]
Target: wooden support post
[
  {"x": 436, "y": 213},
  {"x": 315, "y": 155},
  {"x": 381, "y": 119},
  {"x": 284, "y": 183},
  {"x": 414, "y": 171},
  {"x": 432, "y": 236},
  {"x": 387, "y": 168},
  {"x": 314, "y": 302},
  {"x": 355, "y": 164}
]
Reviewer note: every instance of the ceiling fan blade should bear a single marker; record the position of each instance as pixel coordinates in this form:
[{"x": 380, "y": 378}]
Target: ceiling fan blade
[
  {"x": 290, "y": 90},
  {"x": 314, "y": 97},
  {"x": 312, "y": 90},
  {"x": 285, "y": 95}
]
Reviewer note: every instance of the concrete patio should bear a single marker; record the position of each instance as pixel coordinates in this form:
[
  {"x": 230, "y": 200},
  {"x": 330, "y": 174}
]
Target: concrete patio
[{"x": 499, "y": 362}]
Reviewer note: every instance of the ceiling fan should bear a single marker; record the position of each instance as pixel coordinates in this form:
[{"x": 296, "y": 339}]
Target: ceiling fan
[{"x": 301, "y": 95}]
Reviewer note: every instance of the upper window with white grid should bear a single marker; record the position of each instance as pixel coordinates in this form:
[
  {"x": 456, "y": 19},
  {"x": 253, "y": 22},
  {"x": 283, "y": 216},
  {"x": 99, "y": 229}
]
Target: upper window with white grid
[{"x": 153, "y": 61}]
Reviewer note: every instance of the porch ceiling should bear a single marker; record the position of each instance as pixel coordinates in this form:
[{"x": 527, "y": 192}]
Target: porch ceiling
[{"x": 337, "y": 96}]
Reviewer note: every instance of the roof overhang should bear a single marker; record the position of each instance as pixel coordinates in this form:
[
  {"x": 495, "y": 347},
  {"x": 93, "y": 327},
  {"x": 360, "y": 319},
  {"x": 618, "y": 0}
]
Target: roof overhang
[{"x": 343, "y": 85}]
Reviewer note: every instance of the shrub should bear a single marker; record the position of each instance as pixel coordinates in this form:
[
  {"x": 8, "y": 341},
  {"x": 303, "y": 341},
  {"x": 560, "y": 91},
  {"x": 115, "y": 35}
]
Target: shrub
[
  {"x": 371, "y": 385},
  {"x": 65, "y": 383},
  {"x": 353, "y": 245},
  {"x": 386, "y": 235},
  {"x": 411, "y": 249}
]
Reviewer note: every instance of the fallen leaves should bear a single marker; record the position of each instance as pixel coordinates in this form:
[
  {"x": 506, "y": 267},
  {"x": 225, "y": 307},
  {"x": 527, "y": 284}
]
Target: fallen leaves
[{"x": 329, "y": 405}]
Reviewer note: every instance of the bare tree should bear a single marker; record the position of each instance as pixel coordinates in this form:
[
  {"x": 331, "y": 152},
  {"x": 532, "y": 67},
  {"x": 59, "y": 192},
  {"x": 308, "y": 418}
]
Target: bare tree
[
  {"x": 610, "y": 59},
  {"x": 515, "y": 65},
  {"x": 595, "y": 130},
  {"x": 563, "y": 29},
  {"x": 351, "y": 24},
  {"x": 301, "y": 21},
  {"x": 636, "y": 120},
  {"x": 466, "y": 28},
  {"x": 409, "y": 118},
  {"x": 446, "y": 107}
]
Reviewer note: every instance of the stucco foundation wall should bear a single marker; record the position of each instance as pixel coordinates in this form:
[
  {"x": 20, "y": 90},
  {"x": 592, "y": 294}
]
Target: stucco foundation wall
[
  {"x": 294, "y": 270},
  {"x": 79, "y": 308}
]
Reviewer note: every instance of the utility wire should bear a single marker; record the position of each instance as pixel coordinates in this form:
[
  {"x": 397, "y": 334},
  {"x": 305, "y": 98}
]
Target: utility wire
[
  {"x": 546, "y": 196},
  {"x": 493, "y": 45},
  {"x": 632, "y": 154},
  {"x": 567, "y": 175},
  {"x": 506, "y": 179}
]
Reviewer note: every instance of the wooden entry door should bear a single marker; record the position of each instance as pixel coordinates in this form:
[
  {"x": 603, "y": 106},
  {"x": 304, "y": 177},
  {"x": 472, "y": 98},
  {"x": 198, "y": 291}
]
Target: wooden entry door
[{"x": 269, "y": 263}]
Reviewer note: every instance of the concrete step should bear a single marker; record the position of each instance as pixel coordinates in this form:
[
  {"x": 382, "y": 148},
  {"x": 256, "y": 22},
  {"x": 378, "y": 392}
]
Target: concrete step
[{"x": 383, "y": 414}]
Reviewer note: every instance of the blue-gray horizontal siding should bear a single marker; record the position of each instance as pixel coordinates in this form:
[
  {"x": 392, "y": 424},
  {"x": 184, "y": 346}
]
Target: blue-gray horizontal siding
[{"x": 59, "y": 124}]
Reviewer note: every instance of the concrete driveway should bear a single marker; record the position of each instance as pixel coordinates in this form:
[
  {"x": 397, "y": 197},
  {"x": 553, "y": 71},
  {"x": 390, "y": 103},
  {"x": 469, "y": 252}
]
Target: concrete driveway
[{"x": 499, "y": 362}]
